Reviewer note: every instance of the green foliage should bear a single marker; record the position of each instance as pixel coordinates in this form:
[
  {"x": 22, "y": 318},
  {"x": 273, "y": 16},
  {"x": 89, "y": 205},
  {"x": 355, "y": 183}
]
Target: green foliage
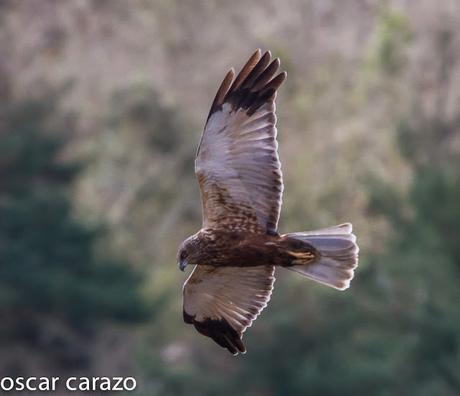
[
  {"x": 48, "y": 265},
  {"x": 392, "y": 33},
  {"x": 141, "y": 109},
  {"x": 423, "y": 259}
]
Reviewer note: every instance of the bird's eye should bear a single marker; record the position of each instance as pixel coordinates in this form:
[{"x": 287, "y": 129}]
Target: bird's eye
[{"x": 183, "y": 254}]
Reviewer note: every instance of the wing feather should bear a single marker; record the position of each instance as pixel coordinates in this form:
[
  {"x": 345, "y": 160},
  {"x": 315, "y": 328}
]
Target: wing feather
[
  {"x": 245, "y": 70},
  {"x": 237, "y": 163},
  {"x": 223, "y": 302}
]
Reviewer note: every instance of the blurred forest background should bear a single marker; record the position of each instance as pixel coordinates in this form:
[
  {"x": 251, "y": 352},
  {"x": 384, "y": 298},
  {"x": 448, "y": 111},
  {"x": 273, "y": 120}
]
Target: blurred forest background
[{"x": 102, "y": 104}]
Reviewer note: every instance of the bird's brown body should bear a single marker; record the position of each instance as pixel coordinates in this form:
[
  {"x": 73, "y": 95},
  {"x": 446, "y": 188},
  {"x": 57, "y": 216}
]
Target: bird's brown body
[{"x": 239, "y": 249}]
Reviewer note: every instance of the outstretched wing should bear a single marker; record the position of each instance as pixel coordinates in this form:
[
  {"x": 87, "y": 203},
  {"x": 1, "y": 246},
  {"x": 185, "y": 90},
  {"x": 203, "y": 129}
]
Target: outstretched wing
[
  {"x": 237, "y": 162},
  {"x": 222, "y": 302}
]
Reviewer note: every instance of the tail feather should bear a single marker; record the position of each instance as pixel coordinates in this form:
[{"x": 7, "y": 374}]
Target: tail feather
[{"x": 338, "y": 256}]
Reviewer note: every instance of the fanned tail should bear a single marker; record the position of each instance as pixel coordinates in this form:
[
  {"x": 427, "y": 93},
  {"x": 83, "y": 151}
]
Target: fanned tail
[{"x": 338, "y": 256}]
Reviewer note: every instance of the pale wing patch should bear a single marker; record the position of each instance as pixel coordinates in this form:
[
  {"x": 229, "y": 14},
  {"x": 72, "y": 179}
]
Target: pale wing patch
[{"x": 223, "y": 302}]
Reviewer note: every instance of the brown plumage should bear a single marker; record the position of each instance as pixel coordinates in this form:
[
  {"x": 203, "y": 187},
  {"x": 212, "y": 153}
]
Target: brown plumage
[{"x": 236, "y": 251}]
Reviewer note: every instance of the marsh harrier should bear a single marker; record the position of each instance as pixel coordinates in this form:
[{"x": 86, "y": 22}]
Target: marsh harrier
[{"x": 238, "y": 247}]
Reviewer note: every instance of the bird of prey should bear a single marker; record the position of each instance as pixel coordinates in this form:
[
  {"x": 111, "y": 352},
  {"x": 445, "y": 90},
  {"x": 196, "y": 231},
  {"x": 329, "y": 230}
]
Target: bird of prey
[{"x": 238, "y": 247}]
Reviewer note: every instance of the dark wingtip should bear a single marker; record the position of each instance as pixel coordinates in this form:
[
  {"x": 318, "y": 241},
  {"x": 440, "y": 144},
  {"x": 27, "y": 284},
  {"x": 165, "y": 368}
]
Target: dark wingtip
[
  {"x": 241, "y": 347},
  {"x": 189, "y": 319},
  {"x": 220, "y": 331},
  {"x": 254, "y": 85}
]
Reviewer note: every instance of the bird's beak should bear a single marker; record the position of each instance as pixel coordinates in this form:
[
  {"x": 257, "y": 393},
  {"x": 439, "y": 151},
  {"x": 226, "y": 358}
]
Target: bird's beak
[{"x": 182, "y": 264}]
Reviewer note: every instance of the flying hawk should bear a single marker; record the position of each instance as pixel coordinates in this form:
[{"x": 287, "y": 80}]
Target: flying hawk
[{"x": 238, "y": 247}]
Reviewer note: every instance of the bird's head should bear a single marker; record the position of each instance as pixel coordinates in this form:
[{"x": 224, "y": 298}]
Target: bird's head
[{"x": 187, "y": 251}]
